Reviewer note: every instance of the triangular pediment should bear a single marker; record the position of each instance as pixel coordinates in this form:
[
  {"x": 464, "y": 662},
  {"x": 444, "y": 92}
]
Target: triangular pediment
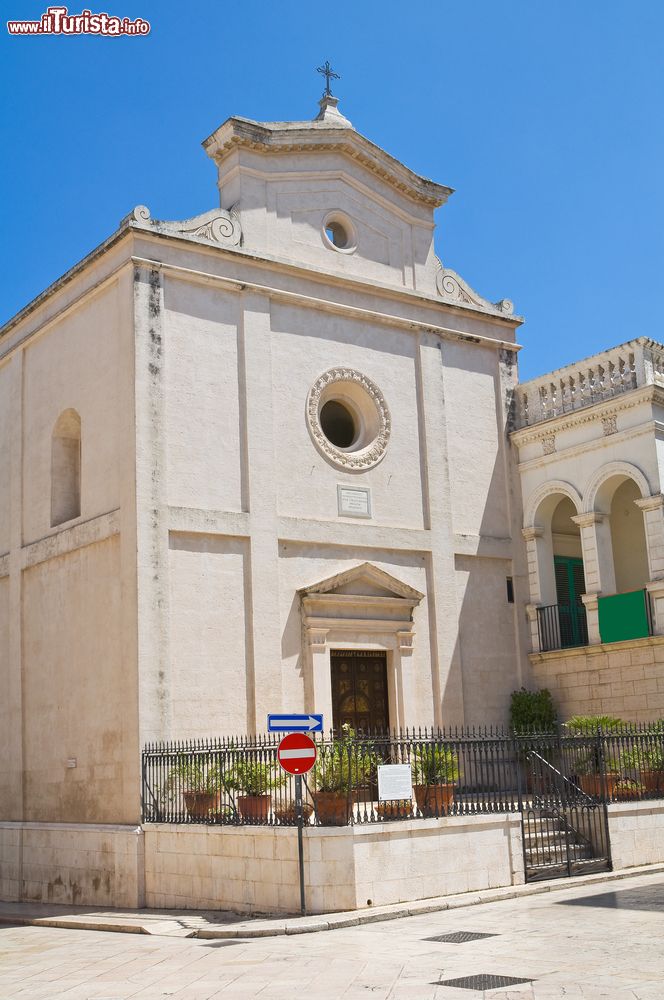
[{"x": 365, "y": 580}]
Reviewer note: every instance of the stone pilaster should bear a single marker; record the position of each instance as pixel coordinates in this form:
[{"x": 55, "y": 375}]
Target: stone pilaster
[
  {"x": 592, "y": 618},
  {"x": 531, "y": 617},
  {"x": 653, "y": 523},
  {"x": 656, "y": 591},
  {"x": 597, "y": 552}
]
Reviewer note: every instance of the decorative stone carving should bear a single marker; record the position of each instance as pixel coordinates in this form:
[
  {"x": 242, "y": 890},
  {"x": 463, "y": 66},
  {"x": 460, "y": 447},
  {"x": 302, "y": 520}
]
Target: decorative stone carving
[
  {"x": 364, "y": 457},
  {"x": 610, "y": 424},
  {"x": 216, "y": 226},
  {"x": 454, "y": 289},
  {"x": 549, "y": 444}
]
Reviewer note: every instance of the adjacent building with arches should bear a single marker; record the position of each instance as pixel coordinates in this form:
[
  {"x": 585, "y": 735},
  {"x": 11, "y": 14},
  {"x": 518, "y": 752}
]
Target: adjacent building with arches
[{"x": 591, "y": 463}]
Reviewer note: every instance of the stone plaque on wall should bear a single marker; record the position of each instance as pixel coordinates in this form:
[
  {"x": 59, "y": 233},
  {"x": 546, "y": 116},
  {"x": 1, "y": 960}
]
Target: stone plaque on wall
[{"x": 354, "y": 501}]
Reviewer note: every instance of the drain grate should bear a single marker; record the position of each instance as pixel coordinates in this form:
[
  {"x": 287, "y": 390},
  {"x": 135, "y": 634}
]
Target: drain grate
[
  {"x": 481, "y": 982},
  {"x": 459, "y": 937}
]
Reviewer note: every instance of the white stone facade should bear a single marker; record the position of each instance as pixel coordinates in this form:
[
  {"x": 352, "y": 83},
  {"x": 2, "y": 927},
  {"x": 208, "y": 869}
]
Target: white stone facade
[{"x": 180, "y": 545}]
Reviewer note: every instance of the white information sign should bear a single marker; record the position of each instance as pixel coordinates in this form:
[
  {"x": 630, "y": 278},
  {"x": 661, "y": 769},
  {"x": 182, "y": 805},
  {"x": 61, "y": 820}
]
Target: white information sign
[
  {"x": 354, "y": 501},
  {"x": 395, "y": 781}
]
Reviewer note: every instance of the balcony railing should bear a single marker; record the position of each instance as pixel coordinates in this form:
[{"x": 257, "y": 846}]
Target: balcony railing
[
  {"x": 630, "y": 366},
  {"x": 561, "y": 626}
]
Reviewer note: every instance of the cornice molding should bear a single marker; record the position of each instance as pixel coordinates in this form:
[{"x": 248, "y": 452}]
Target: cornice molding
[
  {"x": 268, "y": 138},
  {"x": 564, "y": 421},
  {"x": 594, "y": 444}
]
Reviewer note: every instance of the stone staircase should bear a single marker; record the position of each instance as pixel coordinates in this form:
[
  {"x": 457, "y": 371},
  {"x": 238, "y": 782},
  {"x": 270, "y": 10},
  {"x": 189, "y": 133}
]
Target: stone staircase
[{"x": 552, "y": 848}]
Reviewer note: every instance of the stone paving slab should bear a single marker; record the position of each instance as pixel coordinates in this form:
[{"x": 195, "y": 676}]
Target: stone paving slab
[{"x": 225, "y": 924}]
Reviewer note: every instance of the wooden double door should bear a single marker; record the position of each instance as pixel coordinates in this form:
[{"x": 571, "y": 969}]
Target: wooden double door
[{"x": 359, "y": 689}]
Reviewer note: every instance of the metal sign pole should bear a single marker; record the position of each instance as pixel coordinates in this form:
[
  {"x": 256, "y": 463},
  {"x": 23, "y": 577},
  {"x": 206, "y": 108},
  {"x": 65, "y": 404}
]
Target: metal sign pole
[{"x": 300, "y": 843}]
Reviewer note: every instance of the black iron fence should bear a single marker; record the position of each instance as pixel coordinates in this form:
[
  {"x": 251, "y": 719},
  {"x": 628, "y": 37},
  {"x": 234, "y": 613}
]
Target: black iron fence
[{"x": 454, "y": 772}]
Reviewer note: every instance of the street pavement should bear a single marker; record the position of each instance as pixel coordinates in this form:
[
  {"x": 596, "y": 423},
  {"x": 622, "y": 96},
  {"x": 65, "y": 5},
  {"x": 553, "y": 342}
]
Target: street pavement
[{"x": 583, "y": 942}]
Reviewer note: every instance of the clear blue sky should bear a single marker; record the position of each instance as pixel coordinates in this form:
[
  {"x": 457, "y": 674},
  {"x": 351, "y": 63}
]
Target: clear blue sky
[{"x": 545, "y": 116}]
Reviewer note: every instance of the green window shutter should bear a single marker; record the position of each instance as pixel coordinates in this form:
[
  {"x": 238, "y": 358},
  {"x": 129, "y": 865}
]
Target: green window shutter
[
  {"x": 570, "y": 584},
  {"x": 562, "y": 580}
]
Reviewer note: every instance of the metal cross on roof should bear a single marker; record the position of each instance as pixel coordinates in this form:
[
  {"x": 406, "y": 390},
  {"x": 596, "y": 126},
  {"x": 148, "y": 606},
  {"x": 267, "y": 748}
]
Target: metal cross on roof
[{"x": 329, "y": 74}]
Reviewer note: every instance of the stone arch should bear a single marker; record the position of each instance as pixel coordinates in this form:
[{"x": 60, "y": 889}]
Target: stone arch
[
  {"x": 611, "y": 497},
  {"x": 612, "y": 470},
  {"x": 66, "y": 468},
  {"x": 551, "y": 491}
]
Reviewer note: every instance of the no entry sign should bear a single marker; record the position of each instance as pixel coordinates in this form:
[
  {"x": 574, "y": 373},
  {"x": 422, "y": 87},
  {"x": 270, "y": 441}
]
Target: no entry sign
[{"x": 297, "y": 753}]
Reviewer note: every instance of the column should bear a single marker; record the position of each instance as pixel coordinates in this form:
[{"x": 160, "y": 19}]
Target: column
[
  {"x": 541, "y": 581},
  {"x": 653, "y": 523},
  {"x": 597, "y": 566},
  {"x": 318, "y": 693}
]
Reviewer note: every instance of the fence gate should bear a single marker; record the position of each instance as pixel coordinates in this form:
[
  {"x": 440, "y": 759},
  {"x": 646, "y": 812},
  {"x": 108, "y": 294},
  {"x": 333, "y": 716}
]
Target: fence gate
[{"x": 565, "y": 830}]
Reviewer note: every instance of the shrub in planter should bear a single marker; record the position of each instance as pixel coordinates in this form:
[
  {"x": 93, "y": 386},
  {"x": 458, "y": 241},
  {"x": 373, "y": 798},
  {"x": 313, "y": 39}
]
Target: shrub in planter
[
  {"x": 199, "y": 783},
  {"x": 436, "y": 771},
  {"x": 341, "y": 766},
  {"x": 626, "y": 789},
  {"x": 532, "y": 712},
  {"x": 255, "y": 779},
  {"x": 587, "y": 760},
  {"x": 286, "y": 812},
  {"x": 647, "y": 760}
]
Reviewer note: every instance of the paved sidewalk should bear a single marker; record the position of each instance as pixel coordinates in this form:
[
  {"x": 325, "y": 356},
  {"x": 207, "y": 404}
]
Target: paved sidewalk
[
  {"x": 600, "y": 941},
  {"x": 224, "y": 924}
]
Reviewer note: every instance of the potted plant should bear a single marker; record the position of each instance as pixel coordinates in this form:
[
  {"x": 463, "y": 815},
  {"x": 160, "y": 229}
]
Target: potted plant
[
  {"x": 436, "y": 771},
  {"x": 648, "y": 761},
  {"x": 588, "y": 758},
  {"x": 395, "y": 808},
  {"x": 626, "y": 789},
  {"x": 532, "y": 713},
  {"x": 255, "y": 779},
  {"x": 341, "y": 765},
  {"x": 286, "y": 812},
  {"x": 199, "y": 783}
]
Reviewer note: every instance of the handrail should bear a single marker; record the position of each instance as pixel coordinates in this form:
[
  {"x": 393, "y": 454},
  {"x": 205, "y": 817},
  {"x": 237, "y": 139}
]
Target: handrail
[{"x": 578, "y": 792}]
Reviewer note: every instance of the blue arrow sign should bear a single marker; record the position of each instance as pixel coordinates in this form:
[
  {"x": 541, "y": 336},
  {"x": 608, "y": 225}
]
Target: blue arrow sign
[{"x": 294, "y": 723}]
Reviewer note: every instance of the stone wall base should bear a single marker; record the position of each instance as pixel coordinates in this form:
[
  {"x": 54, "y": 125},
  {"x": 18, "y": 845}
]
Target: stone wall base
[
  {"x": 76, "y": 863},
  {"x": 255, "y": 869},
  {"x": 636, "y": 832},
  {"x": 625, "y": 679}
]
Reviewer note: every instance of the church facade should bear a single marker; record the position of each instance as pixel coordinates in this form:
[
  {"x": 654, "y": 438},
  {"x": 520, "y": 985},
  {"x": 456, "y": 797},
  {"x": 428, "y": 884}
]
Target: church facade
[
  {"x": 260, "y": 461},
  {"x": 257, "y": 461}
]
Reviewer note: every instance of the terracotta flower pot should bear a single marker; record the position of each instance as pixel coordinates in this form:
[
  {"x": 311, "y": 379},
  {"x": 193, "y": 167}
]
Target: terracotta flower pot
[
  {"x": 591, "y": 784},
  {"x": 201, "y": 804},
  {"x": 626, "y": 793},
  {"x": 254, "y": 808},
  {"x": 332, "y": 808},
  {"x": 288, "y": 813},
  {"x": 395, "y": 808},
  {"x": 652, "y": 781},
  {"x": 434, "y": 800}
]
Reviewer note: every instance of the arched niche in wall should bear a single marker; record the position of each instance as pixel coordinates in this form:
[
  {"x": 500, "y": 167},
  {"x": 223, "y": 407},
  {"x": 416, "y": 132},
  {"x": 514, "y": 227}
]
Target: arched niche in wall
[{"x": 66, "y": 468}]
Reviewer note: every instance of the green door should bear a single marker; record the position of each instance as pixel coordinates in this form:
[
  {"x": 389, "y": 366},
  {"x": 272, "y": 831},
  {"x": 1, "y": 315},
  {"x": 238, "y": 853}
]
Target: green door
[{"x": 570, "y": 584}]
